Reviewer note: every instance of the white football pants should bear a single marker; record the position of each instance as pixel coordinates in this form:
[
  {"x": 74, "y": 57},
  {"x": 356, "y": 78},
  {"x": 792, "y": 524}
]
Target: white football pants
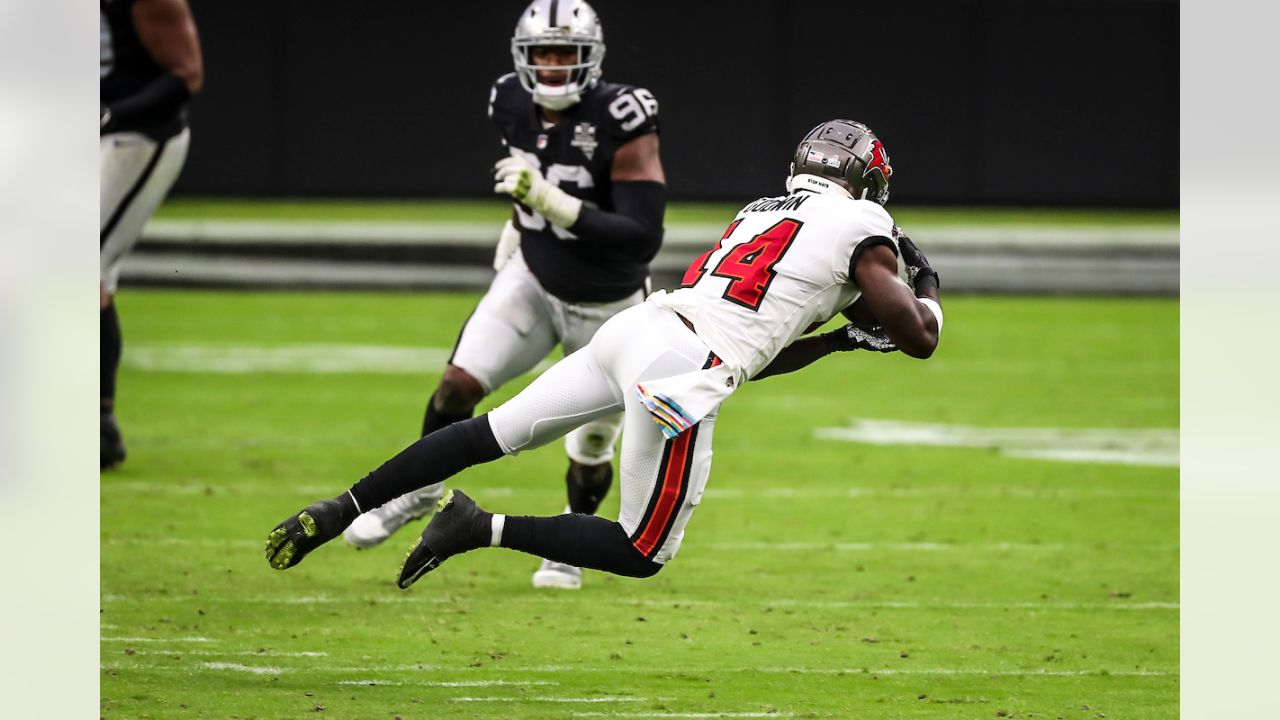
[
  {"x": 662, "y": 480},
  {"x": 135, "y": 174}
]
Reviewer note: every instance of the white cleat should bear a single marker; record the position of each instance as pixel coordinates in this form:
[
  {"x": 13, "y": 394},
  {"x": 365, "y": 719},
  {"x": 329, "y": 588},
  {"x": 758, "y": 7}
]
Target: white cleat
[
  {"x": 372, "y": 528},
  {"x": 557, "y": 575}
]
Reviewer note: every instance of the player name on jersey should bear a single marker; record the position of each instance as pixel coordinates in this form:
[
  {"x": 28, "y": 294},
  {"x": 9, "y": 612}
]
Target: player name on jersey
[{"x": 792, "y": 202}]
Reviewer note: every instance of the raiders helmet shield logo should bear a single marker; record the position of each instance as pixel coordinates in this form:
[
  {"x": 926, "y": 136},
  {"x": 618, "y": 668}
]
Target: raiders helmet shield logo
[{"x": 584, "y": 138}]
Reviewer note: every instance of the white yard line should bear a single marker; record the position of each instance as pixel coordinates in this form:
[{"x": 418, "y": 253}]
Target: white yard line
[
  {"x": 661, "y": 670},
  {"x": 158, "y": 640},
  {"x": 1127, "y": 446},
  {"x": 235, "y": 653},
  {"x": 1018, "y": 492},
  {"x": 763, "y": 602},
  {"x": 453, "y": 683},
  {"x": 686, "y": 714},
  {"x": 549, "y": 699},
  {"x": 237, "y": 667},
  {"x": 294, "y": 358}
]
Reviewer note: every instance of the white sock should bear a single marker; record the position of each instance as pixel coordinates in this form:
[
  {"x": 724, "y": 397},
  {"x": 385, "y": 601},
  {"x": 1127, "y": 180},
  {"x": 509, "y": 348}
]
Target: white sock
[{"x": 496, "y": 525}]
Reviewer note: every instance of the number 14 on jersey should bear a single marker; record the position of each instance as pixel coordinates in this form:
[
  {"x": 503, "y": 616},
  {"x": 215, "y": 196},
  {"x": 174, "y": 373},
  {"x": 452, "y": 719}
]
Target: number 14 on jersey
[{"x": 748, "y": 266}]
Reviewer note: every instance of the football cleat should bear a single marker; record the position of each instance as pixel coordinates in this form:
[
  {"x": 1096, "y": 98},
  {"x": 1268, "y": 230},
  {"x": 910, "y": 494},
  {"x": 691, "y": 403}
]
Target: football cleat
[
  {"x": 374, "y": 527},
  {"x": 552, "y": 574},
  {"x": 315, "y": 525},
  {"x": 459, "y": 525},
  {"x": 111, "y": 444}
]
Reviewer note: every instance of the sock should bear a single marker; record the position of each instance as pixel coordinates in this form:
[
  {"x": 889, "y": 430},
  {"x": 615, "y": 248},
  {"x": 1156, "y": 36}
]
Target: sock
[
  {"x": 110, "y": 344},
  {"x": 430, "y": 460},
  {"x": 435, "y": 419},
  {"x": 586, "y": 495},
  {"x": 582, "y": 540}
]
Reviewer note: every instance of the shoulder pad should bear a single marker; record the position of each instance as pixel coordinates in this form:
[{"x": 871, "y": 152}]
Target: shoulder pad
[
  {"x": 504, "y": 99},
  {"x": 632, "y": 111}
]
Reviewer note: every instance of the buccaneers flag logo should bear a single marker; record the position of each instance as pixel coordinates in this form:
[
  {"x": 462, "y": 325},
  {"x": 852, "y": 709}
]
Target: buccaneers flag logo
[{"x": 879, "y": 161}]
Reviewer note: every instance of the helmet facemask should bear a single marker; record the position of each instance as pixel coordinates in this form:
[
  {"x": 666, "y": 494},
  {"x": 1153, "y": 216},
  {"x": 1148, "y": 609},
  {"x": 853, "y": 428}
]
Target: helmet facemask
[{"x": 576, "y": 27}]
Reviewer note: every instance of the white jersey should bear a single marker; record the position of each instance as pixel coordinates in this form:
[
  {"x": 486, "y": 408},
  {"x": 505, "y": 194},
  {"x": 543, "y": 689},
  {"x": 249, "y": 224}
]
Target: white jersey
[{"x": 781, "y": 268}]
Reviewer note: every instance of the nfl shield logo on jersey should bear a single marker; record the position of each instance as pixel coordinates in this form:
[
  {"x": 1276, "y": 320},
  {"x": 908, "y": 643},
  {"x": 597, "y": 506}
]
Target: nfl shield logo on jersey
[
  {"x": 584, "y": 138},
  {"x": 541, "y": 143}
]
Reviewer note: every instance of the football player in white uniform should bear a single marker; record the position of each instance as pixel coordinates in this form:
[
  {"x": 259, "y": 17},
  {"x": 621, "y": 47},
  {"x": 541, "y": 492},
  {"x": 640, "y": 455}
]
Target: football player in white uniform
[
  {"x": 584, "y": 170},
  {"x": 785, "y": 264}
]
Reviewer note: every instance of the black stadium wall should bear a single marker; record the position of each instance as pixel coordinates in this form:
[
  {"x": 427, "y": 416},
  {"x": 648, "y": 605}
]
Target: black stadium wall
[{"x": 1015, "y": 102}]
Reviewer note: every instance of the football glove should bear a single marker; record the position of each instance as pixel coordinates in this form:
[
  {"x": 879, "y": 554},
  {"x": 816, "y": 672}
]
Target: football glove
[
  {"x": 916, "y": 263},
  {"x": 514, "y": 176},
  {"x": 508, "y": 243},
  {"x": 852, "y": 337}
]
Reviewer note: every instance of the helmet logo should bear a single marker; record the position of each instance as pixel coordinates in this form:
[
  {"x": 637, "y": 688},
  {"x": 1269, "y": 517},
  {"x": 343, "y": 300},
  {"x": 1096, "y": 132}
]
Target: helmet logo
[{"x": 879, "y": 161}]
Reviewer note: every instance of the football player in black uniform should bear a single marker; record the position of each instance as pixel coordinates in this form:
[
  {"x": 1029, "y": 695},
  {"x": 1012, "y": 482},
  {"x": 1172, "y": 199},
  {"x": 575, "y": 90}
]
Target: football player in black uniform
[
  {"x": 584, "y": 170},
  {"x": 150, "y": 67}
]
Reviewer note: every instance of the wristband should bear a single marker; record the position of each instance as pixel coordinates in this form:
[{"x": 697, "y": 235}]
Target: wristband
[{"x": 934, "y": 308}]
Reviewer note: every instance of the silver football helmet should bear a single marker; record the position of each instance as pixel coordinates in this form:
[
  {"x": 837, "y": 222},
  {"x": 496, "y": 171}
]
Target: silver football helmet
[
  {"x": 565, "y": 23},
  {"x": 848, "y": 153}
]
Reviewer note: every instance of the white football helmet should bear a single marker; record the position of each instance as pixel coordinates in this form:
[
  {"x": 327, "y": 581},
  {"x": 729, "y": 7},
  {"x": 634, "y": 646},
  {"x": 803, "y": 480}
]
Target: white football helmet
[{"x": 567, "y": 23}]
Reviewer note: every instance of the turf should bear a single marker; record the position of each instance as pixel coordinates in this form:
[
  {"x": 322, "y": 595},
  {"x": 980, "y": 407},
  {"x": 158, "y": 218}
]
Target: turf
[
  {"x": 495, "y": 211},
  {"x": 818, "y": 578}
]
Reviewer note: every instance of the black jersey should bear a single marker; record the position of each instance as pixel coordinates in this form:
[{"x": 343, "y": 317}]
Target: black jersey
[
  {"x": 577, "y": 155},
  {"x": 125, "y": 67}
]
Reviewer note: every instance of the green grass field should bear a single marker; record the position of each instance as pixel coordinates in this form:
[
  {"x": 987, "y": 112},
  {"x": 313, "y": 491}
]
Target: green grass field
[{"x": 819, "y": 578}]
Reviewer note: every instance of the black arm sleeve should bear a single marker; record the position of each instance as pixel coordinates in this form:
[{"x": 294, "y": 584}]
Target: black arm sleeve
[
  {"x": 867, "y": 244},
  {"x": 155, "y": 101},
  {"x": 635, "y": 223}
]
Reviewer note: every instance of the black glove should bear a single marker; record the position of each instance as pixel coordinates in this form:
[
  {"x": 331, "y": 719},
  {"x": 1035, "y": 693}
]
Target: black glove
[
  {"x": 852, "y": 337},
  {"x": 918, "y": 267}
]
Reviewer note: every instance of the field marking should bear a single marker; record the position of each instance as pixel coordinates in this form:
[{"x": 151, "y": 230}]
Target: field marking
[
  {"x": 664, "y": 670},
  {"x": 790, "y": 493},
  {"x": 630, "y": 602},
  {"x": 928, "y": 547},
  {"x": 235, "y": 653},
  {"x": 158, "y": 640},
  {"x": 748, "y": 546},
  {"x": 453, "y": 683},
  {"x": 1157, "y": 447},
  {"x": 309, "y": 358},
  {"x": 237, "y": 667},
  {"x": 686, "y": 714},
  {"x": 550, "y": 699}
]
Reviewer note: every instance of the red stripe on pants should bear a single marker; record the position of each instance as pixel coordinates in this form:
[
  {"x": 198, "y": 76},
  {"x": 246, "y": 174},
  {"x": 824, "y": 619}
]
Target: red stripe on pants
[{"x": 665, "y": 509}]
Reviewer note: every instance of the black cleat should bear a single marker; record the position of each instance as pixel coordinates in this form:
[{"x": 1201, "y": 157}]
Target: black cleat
[
  {"x": 459, "y": 525},
  {"x": 111, "y": 445},
  {"x": 315, "y": 525}
]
